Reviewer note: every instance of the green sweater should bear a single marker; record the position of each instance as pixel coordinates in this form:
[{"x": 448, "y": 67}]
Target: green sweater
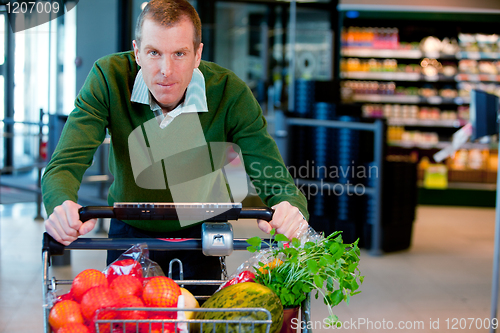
[{"x": 104, "y": 103}]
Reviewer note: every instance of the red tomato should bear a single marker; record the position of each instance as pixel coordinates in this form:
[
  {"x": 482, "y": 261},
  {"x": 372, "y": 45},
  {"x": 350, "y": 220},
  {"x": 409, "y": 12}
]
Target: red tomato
[
  {"x": 245, "y": 276},
  {"x": 124, "y": 267}
]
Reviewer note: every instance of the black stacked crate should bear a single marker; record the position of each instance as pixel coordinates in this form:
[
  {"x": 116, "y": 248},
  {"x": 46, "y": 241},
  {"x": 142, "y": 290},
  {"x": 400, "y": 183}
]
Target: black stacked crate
[{"x": 399, "y": 202}]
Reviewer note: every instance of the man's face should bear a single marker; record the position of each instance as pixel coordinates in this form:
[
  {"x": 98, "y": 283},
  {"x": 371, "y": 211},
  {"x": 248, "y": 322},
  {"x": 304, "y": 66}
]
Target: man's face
[{"x": 167, "y": 58}]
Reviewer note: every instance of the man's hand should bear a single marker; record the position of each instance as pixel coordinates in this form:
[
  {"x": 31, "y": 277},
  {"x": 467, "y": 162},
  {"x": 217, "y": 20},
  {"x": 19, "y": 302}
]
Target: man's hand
[
  {"x": 64, "y": 223},
  {"x": 287, "y": 220}
]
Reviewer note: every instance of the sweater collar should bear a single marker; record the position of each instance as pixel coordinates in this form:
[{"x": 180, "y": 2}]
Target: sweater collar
[{"x": 194, "y": 101}]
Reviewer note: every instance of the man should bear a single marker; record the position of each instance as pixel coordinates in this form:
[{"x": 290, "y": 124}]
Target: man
[{"x": 160, "y": 81}]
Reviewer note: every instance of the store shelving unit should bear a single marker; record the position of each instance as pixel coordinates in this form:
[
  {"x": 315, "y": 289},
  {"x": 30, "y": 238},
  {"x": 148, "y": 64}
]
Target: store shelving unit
[{"x": 371, "y": 56}]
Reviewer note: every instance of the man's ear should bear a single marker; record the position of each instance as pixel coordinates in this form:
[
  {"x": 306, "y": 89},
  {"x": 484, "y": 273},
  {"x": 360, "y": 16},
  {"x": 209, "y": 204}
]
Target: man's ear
[
  {"x": 198, "y": 55},
  {"x": 136, "y": 52}
]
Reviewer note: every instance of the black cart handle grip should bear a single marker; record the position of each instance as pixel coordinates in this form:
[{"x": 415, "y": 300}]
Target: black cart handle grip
[
  {"x": 153, "y": 213},
  {"x": 92, "y": 212}
]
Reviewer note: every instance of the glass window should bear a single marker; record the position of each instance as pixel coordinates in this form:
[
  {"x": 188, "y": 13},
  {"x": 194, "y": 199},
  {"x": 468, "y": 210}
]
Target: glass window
[
  {"x": 2, "y": 116},
  {"x": 68, "y": 56},
  {"x": 239, "y": 40},
  {"x": 2, "y": 39},
  {"x": 35, "y": 81}
]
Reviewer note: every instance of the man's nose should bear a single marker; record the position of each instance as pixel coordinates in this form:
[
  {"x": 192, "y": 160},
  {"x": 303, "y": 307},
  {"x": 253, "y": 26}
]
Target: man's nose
[{"x": 166, "y": 68}]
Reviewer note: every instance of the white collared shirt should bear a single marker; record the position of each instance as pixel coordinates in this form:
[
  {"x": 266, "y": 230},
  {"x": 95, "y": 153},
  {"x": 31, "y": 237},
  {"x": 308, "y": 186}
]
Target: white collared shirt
[{"x": 194, "y": 101}]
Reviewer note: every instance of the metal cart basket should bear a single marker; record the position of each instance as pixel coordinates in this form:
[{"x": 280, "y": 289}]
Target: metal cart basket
[{"x": 216, "y": 240}]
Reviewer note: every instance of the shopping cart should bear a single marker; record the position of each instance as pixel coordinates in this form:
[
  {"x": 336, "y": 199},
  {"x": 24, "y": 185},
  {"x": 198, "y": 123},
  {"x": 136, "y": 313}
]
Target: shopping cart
[{"x": 217, "y": 240}]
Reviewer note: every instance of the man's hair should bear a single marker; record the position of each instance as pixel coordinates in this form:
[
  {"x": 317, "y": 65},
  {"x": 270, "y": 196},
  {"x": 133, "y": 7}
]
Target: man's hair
[{"x": 168, "y": 13}]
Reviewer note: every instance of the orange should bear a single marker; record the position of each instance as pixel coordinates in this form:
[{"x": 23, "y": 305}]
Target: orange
[
  {"x": 161, "y": 292},
  {"x": 126, "y": 285},
  {"x": 94, "y": 301},
  {"x": 131, "y": 302},
  {"x": 86, "y": 280},
  {"x": 63, "y": 313},
  {"x": 99, "y": 298},
  {"x": 74, "y": 328},
  {"x": 270, "y": 265}
]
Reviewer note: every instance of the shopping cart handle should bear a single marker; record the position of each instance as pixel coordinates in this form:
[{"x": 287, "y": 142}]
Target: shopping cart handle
[
  {"x": 53, "y": 247},
  {"x": 260, "y": 213},
  {"x": 167, "y": 211},
  {"x": 91, "y": 212}
]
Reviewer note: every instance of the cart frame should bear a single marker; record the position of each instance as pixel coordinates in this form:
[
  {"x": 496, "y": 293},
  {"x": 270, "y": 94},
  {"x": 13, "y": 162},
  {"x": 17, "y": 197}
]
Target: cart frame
[{"x": 51, "y": 247}]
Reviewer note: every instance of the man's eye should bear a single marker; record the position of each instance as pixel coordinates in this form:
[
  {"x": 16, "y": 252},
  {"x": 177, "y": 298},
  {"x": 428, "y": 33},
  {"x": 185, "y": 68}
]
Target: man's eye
[
  {"x": 153, "y": 53},
  {"x": 179, "y": 54}
]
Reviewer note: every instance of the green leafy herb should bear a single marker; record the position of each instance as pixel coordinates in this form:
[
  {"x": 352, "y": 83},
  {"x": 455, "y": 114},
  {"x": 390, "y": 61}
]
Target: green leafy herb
[{"x": 327, "y": 266}]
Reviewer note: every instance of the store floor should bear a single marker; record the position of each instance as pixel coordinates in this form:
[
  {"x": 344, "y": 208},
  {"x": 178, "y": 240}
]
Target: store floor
[{"x": 445, "y": 275}]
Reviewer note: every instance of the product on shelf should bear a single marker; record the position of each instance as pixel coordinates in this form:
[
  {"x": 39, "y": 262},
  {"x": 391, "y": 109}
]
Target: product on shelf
[
  {"x": 463, "y": 112},
  {"x": 470, "y": 66},
  {"x": 448, "y": 92},
  {"x": 350, "y": 87},
  {"x": 449, "y": 69},
  {"x": 431, "y": 67},
  {"x": 398, "y": 135},
  {"x": 377, "y": 38},
  {"x": 464, "y": 88},
  {"x": 369, "y": 65},
  {"x": 448, "y": 115},
  {"x": 414, "y": 112},
  {"x": 394, "y": 133},
  {"x": 479, "y": 42},
  {"x": 428, "y": 91},
  {"x": 434, "y": 45},
  {"x": 436, "y": 176},
  {"x": 488, "y": 67}
]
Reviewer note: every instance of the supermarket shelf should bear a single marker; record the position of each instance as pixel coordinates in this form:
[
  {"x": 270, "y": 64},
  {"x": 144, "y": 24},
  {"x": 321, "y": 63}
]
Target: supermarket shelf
[
  {"x": 389, "y": 76},
  {"x": 415, "y": 54},
  {"x": 381, "y": 53},
  {"x": 375, "y": 98},
  {"x": 478, "y": 55},
  {"x": 437, "y": 145},
  {"x": 467, "y": 186},
  {"x": 426, "y": 122},
  {"x": 408, "y": 99},
  {"x": 473, "y": 186},
  {"x": 477, "y": 77},
  {"x": 396, "y": 76},
  {"x": 415, "y": 77}
]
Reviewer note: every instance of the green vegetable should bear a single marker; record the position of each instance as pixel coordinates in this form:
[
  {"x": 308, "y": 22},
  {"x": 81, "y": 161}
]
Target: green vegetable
[{"x": 327, "y": 266}]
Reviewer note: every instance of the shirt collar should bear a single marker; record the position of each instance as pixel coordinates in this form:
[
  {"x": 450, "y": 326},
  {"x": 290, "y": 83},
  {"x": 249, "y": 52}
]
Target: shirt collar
[{"x": 194, "y": 101}]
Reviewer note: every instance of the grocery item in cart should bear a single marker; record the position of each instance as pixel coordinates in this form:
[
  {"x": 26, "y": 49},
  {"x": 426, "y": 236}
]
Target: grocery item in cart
[
  {"x": 135, "y": 262},
  {"x": 243, "y": 295},
  {"x": 100, "y": 300},
  {"x": 313, "y": 263}
]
